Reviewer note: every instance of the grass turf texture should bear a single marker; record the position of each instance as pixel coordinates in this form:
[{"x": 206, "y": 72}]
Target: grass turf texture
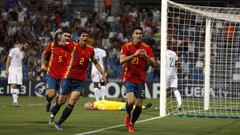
[{"x": 31, "y": 119}]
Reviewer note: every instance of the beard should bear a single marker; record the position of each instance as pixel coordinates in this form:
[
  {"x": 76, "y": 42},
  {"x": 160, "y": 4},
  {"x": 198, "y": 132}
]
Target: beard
[{"x": 23, "y": 48}]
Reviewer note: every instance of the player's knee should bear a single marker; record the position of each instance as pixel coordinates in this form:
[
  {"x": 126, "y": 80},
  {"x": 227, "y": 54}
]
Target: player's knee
[
  {"x": 139, "y": 104},
  {"x": 102, "y": 83},
  {"x": 50, "y": 96},
  {"x": 61, "y": 101},
  {"x": 14, "y": 86},
  {"x": 73, "y": 100},
  {"x": 51, "y": 92},
  {"x": 130, "y": 102},
  {"x": 70, "y": 106}
]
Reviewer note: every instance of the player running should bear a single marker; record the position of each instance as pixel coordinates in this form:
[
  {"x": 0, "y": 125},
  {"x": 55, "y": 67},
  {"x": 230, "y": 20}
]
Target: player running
[
  {"x": 56, "y": 65},
  {"x": 73, "y": 82},
  {"x": 137, "y": 55}
]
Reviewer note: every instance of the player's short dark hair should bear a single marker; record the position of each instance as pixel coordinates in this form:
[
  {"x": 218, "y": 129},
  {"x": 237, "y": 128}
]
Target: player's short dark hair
[
  {"x": 136, "y": 28},
  {"x": 22, "y": 39},
  {"x": 66, "y": 30},
  {"x": 80, "y": 32}
]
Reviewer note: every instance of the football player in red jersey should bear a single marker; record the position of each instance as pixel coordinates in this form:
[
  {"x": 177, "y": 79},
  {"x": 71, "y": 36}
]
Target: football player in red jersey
[
  {"x": 136, "y": 55},
  {"x": 55, "y": 66},
  {"x": 76, "y": 73}
]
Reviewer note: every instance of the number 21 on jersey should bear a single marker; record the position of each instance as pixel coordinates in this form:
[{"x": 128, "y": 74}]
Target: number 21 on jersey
[{"x": 135, "y": 60}]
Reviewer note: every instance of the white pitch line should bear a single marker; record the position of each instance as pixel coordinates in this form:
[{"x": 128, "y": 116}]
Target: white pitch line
[{"x": 116, "y": 126}]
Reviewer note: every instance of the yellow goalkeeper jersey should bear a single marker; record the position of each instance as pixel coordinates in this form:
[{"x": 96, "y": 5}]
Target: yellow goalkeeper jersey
[{"x": 109, "y": 105}]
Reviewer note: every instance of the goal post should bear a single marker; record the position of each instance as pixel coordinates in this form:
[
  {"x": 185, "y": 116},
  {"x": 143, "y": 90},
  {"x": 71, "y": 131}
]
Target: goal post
[
  {"x": 206, "y": 41},
  {"x": 163, "y": 77},
  {"x": 207, "y": 64}
]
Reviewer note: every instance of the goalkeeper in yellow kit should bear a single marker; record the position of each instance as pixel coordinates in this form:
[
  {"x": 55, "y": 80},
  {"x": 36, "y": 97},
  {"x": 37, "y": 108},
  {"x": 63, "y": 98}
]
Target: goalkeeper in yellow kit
[{"x": 109, "y": 105}]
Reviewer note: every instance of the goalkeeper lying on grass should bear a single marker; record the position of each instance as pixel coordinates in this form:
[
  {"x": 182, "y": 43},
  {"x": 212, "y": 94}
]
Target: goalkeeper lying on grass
[{"x": 109, "y": 105}]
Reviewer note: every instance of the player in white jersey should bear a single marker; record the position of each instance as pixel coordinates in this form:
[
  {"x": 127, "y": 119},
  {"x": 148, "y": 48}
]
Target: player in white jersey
[
  {"x": 99, "y": 87},
  {"x": 14, "y": 69},
  {"x": 172, "y": 79}
]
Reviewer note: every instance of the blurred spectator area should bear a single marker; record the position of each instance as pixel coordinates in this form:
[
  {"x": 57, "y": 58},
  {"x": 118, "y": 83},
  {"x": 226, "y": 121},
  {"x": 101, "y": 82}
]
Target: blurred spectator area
[{"x": 40, "y": 18}]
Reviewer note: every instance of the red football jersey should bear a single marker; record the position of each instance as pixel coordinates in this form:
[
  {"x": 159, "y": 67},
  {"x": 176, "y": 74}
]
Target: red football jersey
[
  {"x": 135, "y": 69},
  {"x": 78, "y": 63},
  {"x": 58, "y": 60}
]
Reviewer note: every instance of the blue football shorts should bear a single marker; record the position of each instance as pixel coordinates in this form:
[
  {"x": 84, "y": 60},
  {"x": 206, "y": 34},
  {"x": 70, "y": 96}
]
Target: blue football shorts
[
  {"x": 137, "y": 89},
  {"x": 69, "y": 85},
  {"x": 53, "y": 83}
]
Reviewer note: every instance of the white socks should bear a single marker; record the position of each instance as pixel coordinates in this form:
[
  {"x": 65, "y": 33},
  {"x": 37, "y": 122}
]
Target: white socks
[
  {"x": 103, "y": 91},
  {"x": 178, "y": 97},
  {"x": 15, "y": 98},
  {"x": 100, "y": 93},
  {"x": 97, "y": 93},
  {"x": 15, "y": 93}
]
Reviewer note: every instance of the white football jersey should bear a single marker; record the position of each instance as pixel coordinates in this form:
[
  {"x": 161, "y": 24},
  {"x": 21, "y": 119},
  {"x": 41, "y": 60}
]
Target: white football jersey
[
  {"x": 15, "y": 68},
  {"x": 171, "y": 62},
  {"x": 100, "y": 54},
  {"x": 17, "y": 57}
]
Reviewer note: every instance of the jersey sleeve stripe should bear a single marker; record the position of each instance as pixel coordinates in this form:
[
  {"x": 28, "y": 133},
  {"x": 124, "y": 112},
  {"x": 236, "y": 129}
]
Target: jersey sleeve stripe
[
  {"x": 70, "y": 63},
  {"x": 51, "y": 58},
  {"x": 125, "y": 73}
]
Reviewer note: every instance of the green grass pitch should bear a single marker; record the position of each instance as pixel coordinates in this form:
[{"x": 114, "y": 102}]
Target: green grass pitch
[{"x": 31, "y": 119}]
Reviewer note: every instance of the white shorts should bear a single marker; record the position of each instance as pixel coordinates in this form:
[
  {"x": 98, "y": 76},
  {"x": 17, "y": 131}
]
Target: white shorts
[
  {"x": 96, "y": 77},
  {"x": 172, "y": 81},
  {"x": 15, "y": 76}
]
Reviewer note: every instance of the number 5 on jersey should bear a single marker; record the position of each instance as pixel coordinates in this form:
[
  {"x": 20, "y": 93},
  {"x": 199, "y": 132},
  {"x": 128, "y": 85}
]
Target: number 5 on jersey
[
  {"x": 81, "y": 61},
  {"x": 60, "y": 59}
]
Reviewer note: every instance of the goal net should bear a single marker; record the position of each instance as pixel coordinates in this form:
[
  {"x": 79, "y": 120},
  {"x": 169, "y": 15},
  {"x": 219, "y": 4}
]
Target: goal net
[{"x": 206, "y": 41}]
